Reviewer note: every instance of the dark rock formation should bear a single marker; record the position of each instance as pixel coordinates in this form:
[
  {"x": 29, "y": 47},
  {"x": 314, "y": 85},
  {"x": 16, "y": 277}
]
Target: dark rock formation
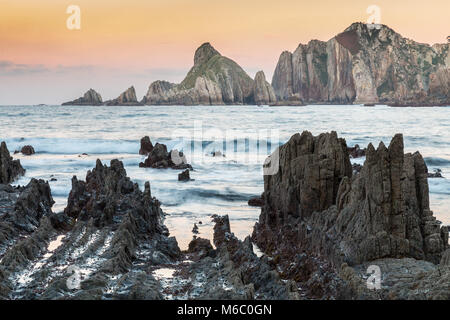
[
  {"x": 90, "y": 98},
  {"x": 160, "y": 158},
  {"x": 9, "y": 169},
  {"x": 112, "y": 233},
  {"x": 27, "y": 150},
  {"x": 256, "y": 274},
  {"x": 314, "y": 205},
  {"x": 213, "y": 80},
  {"x": 436, "y": 174},
  {"x": 256, "y": 201},
  {"x": 127, "y": 98},
  {"x": 356, "y": 152},
  {"x": 365, "y": 65},
  {"x": 184, "y": 176},
  {"x": 21, "y": 212},
  {"x": 201, "y": 248},
  {"x": 146, "y": 146}
]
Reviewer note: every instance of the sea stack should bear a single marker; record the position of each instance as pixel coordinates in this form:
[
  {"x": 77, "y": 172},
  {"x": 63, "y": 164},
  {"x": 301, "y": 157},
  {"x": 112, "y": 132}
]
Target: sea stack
[
  {"x": 213, "y": 80},
  {"x": 263, "y": 92},
  {"x": 127, "y": 98},
  {"x": 90, "y": 98}
]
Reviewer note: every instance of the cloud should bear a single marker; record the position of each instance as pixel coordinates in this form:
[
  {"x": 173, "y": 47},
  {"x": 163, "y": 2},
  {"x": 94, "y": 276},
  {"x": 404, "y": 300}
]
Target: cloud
[{"x": 8, "y": 68}]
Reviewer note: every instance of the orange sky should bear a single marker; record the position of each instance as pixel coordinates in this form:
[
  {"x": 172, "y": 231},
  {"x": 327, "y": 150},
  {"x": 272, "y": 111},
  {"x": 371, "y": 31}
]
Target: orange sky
[{"x": 137, "y": 41}]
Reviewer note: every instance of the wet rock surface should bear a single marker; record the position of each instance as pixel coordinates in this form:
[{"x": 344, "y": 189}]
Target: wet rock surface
[
  {"x": 9, "y": 169},
  {"x": 318, "y": 216},
  {"x": 108, "y": 237},
  {"x": 436, "y": 174},
  {"x": 256, "y": 201},
  {"x": 26, "y": 150},
  {"x": 146, "y": 146},
  {"x": 160, "y": 158},
  {"x": 356, "y": 151},
  {"x": 184, "y": 176},
  {"x": 322, "y": 227}
]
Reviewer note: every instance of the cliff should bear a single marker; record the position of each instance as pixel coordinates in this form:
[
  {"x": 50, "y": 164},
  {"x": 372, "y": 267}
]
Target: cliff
[
  {"x": 365, "y": 64},
  {"x": 90, "y": 98},
  {"x": 213, "y": 80}
]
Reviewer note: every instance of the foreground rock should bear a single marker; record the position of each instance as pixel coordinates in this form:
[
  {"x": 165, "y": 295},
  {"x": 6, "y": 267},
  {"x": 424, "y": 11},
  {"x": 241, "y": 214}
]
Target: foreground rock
[
  {"x": 127, "y": 98},
  {"x": 356, "y": 152},
  {"x": 160, "y": 158},
  {"x": 146, "y": 146},
  {"x": 27, "y": 150},
  {"x": 9, "y": 169},
  {"x": 90, "y": 98},
  {"x": 110, "y": 234},
  {"x": 256, "y": 201},
  {"x": 213, "y": 80},
  {"x": 341, "y": 70},
  {"x": 184, "y": 176},
  {"x": 318, "y": 219}
]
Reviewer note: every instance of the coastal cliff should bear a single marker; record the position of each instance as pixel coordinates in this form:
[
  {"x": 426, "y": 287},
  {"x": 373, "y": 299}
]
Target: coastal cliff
[{"x": 365, "y": 64}]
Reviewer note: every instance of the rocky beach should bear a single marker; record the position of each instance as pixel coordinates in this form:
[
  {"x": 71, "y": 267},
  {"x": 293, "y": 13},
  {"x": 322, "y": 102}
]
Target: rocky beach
[{"x": 320, "y": 228}]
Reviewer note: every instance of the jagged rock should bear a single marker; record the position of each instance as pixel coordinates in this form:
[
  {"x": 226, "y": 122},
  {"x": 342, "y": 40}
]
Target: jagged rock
[
  {"x": 436, "y": 174},
  {"x": 146, "y": 146},
  {"x": 9, "y": 169},
  {"x": 356, "y": 151},
  {"x": 356, "y": 168},
  {"x": 311, "y": 171},
  {"x": 184, "y": 176},
  {"x": 365, "y": 65},
  {"x": 201, "y": 248},
  {"x": 254, "y": 273},
  {"x": 263, "y": 92},
  {"x": 90, "y": 98},
  {"x": 213, "y": 80},
  {"x": 256, "y": 201},
  {"x": 314, "y": 205},
  {"x": 27, "y": 150},
  {"x": 160, "y": 158},
  {"x": 111, "y": 228},
  {"x": 126, "y": 98}
]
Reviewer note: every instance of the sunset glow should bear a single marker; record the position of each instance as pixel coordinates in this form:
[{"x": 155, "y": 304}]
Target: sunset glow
[{"x": 147, "y": 40}]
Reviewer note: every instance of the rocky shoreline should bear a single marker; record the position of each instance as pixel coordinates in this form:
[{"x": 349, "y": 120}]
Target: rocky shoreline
[{"x": 322, "y": 225}]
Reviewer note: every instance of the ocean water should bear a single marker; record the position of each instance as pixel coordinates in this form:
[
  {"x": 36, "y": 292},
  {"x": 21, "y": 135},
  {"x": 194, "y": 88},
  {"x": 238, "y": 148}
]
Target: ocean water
[{"x": 222, "y": 185}]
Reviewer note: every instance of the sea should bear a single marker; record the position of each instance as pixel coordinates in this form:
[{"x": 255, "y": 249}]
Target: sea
[{"x": 69, "y": 139}]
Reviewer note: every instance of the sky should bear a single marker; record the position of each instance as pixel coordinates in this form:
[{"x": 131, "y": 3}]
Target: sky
[{"x": 135, "y": 42}]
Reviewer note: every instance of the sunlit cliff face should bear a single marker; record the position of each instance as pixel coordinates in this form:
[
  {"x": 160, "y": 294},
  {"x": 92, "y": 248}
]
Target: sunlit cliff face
[{"x": 118, "y": 45}]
